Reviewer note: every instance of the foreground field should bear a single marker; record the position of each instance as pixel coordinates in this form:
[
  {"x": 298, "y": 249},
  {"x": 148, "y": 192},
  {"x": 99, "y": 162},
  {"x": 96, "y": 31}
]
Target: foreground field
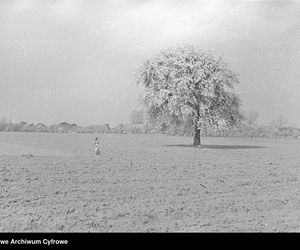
[{"x": 53, "y": 182}]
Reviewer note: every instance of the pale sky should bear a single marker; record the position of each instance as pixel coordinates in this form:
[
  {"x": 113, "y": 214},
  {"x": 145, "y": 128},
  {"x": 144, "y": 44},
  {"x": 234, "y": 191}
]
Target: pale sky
[{"x": 73, "y": 61}]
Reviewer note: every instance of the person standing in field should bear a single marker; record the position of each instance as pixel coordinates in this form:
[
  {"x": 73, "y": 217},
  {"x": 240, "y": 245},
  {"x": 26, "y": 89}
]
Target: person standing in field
[{"x": 97, "y": 146}]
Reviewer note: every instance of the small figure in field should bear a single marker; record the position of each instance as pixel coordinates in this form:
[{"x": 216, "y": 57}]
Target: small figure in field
[{"x": 97, "y": 146}]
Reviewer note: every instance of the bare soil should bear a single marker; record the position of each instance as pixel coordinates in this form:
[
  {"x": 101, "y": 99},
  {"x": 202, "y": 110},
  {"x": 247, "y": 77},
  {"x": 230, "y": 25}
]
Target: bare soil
[{"x": 53, "y": 183}]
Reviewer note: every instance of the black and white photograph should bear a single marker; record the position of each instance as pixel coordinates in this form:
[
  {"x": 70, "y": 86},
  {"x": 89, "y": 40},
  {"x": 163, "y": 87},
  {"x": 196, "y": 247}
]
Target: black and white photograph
[{"x": 148, "y": 116}]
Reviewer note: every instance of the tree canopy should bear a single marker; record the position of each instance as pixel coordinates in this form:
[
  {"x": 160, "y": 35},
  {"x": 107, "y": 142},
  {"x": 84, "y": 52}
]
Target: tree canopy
[
  {"x": 137, "y": 117},
  {"x": 186, "y": 82}
]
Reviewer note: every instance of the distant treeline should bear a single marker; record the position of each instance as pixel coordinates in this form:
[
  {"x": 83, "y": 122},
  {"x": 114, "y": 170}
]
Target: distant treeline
[
  {"x": 139, "y": 125},
  {"x": 260, "y": 132},
  {"x": 62, "y": 127},
  {"x": 240, "y": 131}
]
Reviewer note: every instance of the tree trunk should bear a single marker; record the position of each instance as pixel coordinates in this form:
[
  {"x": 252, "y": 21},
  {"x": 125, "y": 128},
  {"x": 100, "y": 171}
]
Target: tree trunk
[{"x": 197, "y": 140}]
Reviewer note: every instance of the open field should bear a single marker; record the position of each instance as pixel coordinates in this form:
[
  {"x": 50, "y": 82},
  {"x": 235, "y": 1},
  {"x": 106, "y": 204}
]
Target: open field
[{"x": 53, "y": 182}]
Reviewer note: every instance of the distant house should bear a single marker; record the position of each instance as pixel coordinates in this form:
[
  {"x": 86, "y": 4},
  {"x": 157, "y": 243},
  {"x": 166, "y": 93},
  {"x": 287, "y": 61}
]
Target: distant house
[{"x": 60, "y": 130}]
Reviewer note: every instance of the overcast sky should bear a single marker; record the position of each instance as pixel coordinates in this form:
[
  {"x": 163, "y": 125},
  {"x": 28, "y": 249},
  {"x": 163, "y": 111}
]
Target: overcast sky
[{"x": 74, "y": 60}]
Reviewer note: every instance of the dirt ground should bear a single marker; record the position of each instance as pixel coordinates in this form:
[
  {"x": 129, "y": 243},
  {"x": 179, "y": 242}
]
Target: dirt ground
[{"x": 53, "y": 183}]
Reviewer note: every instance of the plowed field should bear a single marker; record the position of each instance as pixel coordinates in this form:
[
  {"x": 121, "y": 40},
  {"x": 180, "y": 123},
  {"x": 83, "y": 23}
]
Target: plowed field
[{"x": 53, "y": 182}]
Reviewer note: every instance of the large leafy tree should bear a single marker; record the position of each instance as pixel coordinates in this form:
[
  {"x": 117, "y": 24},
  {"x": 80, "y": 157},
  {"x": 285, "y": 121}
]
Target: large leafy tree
[{"x": 187, "y": 83}]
